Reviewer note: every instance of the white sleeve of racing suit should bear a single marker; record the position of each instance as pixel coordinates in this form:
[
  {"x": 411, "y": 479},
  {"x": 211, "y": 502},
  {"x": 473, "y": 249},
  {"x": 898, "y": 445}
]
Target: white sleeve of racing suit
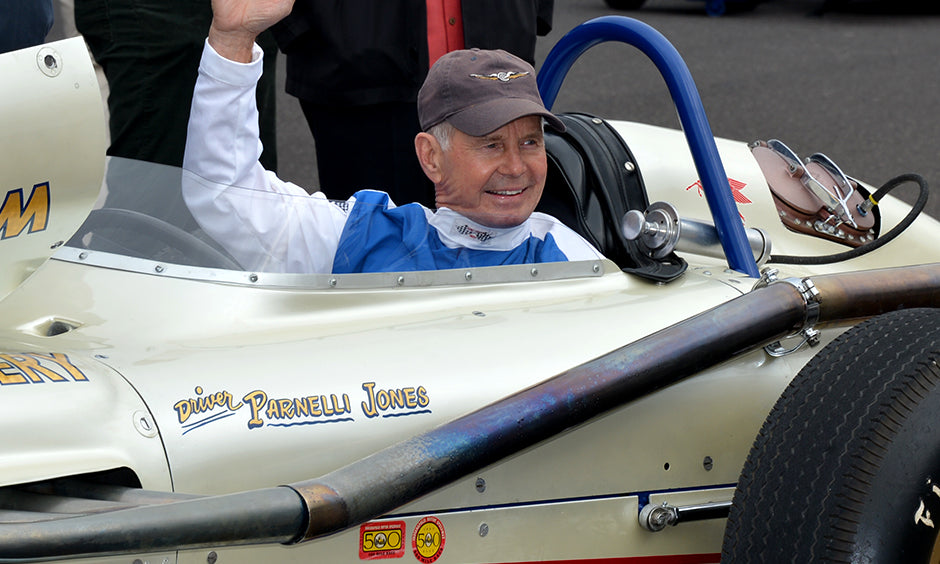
[{"x": 267, "y": 224}]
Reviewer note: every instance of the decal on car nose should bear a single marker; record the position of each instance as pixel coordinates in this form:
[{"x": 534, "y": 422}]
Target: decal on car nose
[{"x": 17, "y": 216}]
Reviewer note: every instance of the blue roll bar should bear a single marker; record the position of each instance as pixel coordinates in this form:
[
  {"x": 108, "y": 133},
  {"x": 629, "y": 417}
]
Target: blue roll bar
[{"x": 688, "y": 103}]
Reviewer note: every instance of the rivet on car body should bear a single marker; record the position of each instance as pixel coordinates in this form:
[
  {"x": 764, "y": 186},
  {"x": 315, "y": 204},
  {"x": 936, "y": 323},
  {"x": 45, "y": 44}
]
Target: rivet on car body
[
  {"x": 629, "y": 167},
  {"x": 333, "y": 282},
  {"x": 481, "y": 485},
  {"x": 468, "y": 276},
  {"x": 252, "y": 278},
  {"x": 484, "y": 529},
  {"x": 212, "y": 558},
  {"x": 534, "y": 272},
  {"x": 159, "y": 268}
]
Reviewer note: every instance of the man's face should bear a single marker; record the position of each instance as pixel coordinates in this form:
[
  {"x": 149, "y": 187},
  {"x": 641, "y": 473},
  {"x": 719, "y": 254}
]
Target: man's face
[{"x": 495, "y": 180}]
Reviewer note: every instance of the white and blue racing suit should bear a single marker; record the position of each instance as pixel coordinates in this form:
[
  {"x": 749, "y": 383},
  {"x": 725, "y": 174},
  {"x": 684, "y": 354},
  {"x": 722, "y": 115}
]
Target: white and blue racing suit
[{"x": 275, "y": 226}]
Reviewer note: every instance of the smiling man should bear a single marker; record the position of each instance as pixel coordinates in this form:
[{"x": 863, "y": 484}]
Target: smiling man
[{"x": 482, "y": 147}]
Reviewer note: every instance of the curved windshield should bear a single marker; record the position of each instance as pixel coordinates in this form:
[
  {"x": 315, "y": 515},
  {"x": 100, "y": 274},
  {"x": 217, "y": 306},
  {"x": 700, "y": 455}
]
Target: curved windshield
[{"x": 162, "y": 213}]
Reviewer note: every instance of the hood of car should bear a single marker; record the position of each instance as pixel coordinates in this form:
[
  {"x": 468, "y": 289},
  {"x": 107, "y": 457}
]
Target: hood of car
[{"x": 53, "y": 164}]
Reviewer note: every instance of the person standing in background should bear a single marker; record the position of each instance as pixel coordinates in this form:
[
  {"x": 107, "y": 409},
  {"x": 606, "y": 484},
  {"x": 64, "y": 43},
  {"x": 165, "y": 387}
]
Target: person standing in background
[
  {"x": 149, "y": 51},
  {"x": 356, "y": 67},
  {"x": 24, "y": 23}
]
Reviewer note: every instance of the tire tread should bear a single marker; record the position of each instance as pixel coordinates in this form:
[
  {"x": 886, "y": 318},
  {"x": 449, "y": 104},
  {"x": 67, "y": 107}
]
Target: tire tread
[{"x": 844, "y": 410}]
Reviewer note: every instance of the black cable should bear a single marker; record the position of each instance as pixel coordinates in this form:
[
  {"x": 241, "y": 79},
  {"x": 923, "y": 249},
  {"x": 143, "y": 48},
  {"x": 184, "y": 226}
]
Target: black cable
[{"x": 879, "y": 242}]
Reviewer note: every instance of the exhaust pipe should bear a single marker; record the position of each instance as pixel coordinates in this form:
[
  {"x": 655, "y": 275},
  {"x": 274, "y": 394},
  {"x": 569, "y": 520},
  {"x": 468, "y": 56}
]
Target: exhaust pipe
[{"x": 390, "y": 478}]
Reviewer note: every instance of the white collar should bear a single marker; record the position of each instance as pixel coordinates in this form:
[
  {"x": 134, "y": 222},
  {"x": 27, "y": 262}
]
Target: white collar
[{"x": 457, "y": 231}]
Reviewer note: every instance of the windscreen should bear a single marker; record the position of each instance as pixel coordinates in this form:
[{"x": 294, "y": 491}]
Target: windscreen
[{"x": 161, "y": 213}]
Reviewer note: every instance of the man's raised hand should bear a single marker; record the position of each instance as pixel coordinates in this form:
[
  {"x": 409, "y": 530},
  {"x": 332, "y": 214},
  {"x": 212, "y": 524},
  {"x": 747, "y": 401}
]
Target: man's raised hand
[{"x": 237, "y": 23}]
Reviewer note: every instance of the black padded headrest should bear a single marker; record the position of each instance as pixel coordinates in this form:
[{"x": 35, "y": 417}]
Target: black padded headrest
[{"x": 590, "y": 187}]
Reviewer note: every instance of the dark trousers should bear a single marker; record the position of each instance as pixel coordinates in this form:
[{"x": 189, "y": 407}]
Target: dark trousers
[
  {"x": 149, "y": 51},
  {"x": 360, "y": 147}
]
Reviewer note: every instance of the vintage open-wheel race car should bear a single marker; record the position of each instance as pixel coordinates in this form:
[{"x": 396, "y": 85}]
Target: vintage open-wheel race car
[{"x": 748, "y": 374}]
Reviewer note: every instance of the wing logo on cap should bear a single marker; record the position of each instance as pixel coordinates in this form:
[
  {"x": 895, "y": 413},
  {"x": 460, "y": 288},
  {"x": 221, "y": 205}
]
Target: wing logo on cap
[{"x": 503, "y": 76}]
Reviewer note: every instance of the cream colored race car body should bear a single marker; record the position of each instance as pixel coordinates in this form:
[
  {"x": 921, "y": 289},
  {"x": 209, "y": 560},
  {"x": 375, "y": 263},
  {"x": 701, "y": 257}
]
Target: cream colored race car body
[{"x": 165, "y": 405}]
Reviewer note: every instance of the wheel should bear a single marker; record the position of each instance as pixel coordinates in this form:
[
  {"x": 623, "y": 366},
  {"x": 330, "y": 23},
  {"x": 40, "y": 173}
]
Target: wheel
[
  {"x": 144, "y": 236},
  {"x": 624, "y": 4},
  {"x": 846, "y": 467}
]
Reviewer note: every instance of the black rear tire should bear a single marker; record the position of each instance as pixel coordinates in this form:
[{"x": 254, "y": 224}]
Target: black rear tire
[{"x": 847, "y": 465}]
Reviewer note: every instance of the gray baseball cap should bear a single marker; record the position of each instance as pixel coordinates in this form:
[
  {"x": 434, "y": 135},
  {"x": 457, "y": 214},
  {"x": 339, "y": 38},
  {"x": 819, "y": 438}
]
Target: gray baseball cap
[{"x": 478, "y": 91}]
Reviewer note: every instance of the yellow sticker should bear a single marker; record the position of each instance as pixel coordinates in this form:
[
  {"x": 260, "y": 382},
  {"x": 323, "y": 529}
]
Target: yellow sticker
[
  {"x": 384, "y": 539},
  {"x": 428, "y": 538}
]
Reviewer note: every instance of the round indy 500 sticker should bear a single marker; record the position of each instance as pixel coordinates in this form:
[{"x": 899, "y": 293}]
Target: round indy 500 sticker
[{"x": 428, "y": 539}]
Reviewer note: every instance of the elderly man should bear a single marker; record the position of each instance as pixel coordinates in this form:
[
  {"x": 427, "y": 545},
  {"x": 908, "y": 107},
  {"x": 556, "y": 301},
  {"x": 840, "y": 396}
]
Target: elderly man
[{"x": 482, "y": 147}]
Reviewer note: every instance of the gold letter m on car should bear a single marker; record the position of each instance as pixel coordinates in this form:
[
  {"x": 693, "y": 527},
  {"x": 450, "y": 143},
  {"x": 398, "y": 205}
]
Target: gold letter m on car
[{"x": 15, "y": 216}]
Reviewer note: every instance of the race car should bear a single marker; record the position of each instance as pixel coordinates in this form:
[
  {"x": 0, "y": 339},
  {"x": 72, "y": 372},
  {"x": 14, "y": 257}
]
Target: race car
[{"x": 749, "y": 372}]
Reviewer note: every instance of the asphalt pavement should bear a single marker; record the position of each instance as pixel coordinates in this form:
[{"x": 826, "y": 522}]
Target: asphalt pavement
[{"x": 856, "y": 81}]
